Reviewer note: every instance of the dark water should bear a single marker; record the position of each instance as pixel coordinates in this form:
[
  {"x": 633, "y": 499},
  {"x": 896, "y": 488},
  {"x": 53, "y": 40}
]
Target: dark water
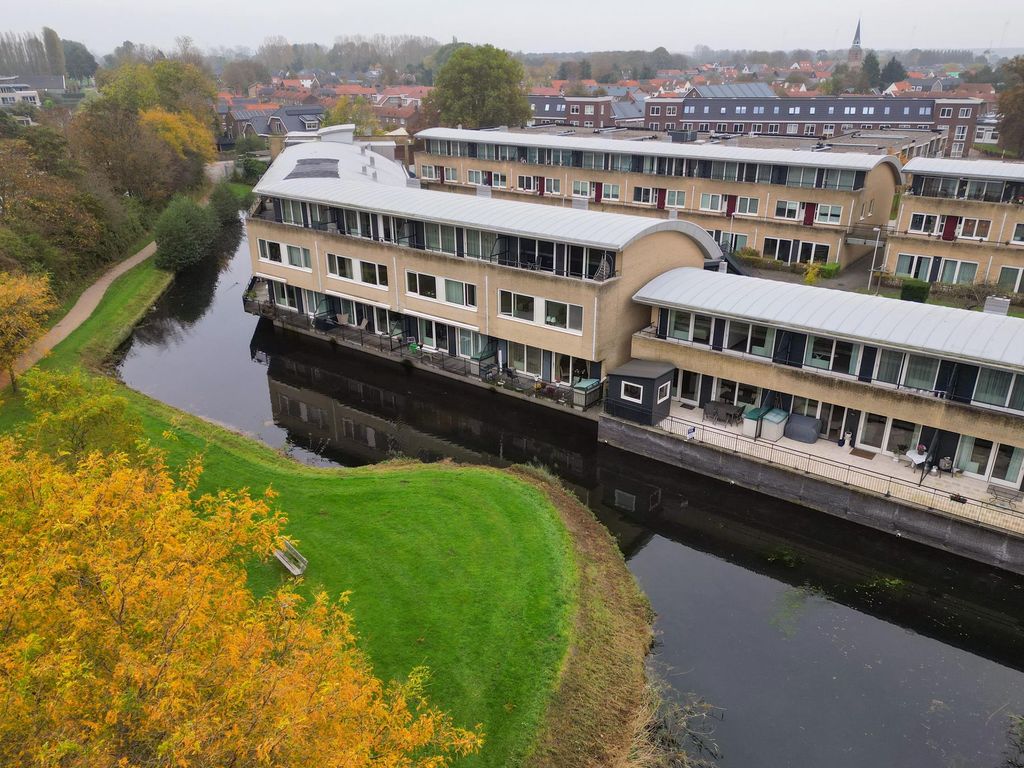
[{"x": 822, "y": 643}]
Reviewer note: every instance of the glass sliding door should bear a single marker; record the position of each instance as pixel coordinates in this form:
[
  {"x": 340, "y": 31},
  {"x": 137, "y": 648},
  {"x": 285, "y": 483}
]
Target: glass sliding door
[
  {"x": 1007, "y": 464},
  {"x": 973, "y": 455}
]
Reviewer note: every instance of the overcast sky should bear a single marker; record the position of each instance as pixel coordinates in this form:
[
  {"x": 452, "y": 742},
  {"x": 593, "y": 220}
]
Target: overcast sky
[{"x": 535, "y": 25}]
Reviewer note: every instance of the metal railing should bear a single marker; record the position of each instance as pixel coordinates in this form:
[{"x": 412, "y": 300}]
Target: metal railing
[
  {"x": 951, "y": 503},
  {"x": 403, "y": 348}
]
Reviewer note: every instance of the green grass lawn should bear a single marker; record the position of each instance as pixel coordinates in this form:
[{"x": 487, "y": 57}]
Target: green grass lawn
[
  {"x": 465, "y": 570},
  {"x": 940, "y": 300}
]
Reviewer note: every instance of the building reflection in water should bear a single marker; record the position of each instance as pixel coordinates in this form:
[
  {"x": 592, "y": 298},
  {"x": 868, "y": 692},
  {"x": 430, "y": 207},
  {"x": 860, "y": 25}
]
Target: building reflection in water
[{"x": 358, "y": 410}]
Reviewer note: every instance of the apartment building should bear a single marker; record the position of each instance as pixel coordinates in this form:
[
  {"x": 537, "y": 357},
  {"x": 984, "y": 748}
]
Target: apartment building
[
  {"x": 340, "y": 240},
  {"x": 961, "y": 221},
  {"x": 883, "y": 375},
  {"x": 818, "y": 116},
  {"x": 790, "y": 205},
  {"x": 15, "y": 93},
  {"x": 589, "y": 111}
]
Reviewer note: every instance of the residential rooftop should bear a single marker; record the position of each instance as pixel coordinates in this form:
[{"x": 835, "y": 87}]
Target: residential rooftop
[
  {"x": 910, "y": 326},
  {"x": 332, "y": 173},
  {"x": 997, "y": 170},
  {"x": 855, "y": 161}
]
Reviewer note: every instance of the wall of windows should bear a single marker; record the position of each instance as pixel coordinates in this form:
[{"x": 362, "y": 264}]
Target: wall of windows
[
  {"x": 552, "y": 314},
  {"x": 360, "y": 271},
  {"x": 441, "y": 289}
]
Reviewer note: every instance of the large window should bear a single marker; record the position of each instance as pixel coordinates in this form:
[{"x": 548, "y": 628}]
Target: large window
[
  {"x": 339, "y": 266},
  {"x": 421, "y": 285},
  {"x": 872, "y": 432},
  {"x": 831, "y": 355},
  {"x": 643, "y": 195},
  {"x": 687, "y": 326},
  {"x": 516, "y": 305},
  {"x": 1010, "y": 279},
  {"x": 1001, "y": 388},
  {"x": 471, "y": 343},
  {"x": 634, "y": 393},
  {"x": 710, "y": 202},
  {"x": 787, "y": 209},
  {"x": 439, "y": 237},
  {"x": 921, "y": 372},
  {"x": 918, "y": 267},
  {"x": 291, "y": 212},
  {"x": 1018, "y": 233},
  {"x": 525, "y": 358},
  {"x": 270, "y": 251},
  {"x": 374, "y": 274},
  {"x": 747, "y": 206},
  {"x": 961, "y": 272},
  {"x": 889, "y": 367},
  {"x": 829, "y": 214},
  {"x": 675, "y": 198},
  {"x": 751, "y": 339},
  {"x": 457, "y": 292},
  {"x": 560, "y": 315}
]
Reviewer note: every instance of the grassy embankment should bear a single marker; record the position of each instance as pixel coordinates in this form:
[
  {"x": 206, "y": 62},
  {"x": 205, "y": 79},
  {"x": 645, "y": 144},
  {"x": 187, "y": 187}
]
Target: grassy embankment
[{"x": 469, "y": 571}]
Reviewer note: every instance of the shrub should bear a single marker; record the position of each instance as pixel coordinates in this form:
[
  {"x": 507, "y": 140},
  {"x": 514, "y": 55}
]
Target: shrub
[
  {"x": 224, "y": 205},
  {"x": 914, "y": 290},
  {"x": 748, "y": 253},
  {"x": 829, "y": 270},
  {"x": 185, "y": 234},
  {"x": 812, "y": 273}
]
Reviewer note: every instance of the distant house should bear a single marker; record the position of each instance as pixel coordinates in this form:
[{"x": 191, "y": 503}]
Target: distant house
[
  {"x": 547, "y": 110},
  {"x": 295, "y": 120},
  {"x": 55, "y": 84},
  {"x": 14, "y": 92}
]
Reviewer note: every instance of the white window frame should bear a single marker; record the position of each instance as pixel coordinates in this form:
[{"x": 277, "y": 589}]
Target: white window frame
[
  {"x": 747, "y": 206},
  {"x": 664, "y": 392},
  {"x": 708, "y": 201},
  {"x": 639, "y": 398}
]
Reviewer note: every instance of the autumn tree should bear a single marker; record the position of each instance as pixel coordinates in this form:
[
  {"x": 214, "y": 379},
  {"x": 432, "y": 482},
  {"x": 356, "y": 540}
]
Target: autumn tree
[
  {"x": 482, "y": 86},
  {"x": 25, "y": 302},
  {"x": 128, "y": 634},
  {"x": 1011, "y": 107},
  {"x": 356, "y": 111},
  {"x": 135, "y": 159},
  {"x": 76, "y": 414},
  {"x": 190, "y": 141},
  {"x": 239, "y": 74}
]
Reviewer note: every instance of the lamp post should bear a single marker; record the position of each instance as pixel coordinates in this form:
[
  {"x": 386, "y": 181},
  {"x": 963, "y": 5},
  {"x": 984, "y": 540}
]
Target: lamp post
[{"x": 874, "y": 256}]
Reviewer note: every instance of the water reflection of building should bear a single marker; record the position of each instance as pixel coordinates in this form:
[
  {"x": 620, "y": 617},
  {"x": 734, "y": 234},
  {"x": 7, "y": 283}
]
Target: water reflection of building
[{"x": 362, "y": 409}]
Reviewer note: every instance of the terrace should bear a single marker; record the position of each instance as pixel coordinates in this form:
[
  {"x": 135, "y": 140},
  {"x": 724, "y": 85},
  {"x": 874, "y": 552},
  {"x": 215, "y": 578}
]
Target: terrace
[{"x": 951, "y": 494}]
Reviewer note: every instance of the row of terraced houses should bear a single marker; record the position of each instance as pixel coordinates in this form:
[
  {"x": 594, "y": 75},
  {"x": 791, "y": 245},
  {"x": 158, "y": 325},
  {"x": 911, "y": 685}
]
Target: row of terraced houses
[
  {"x": 554, "y": 263},
  {"x": 958, "y": 221}
]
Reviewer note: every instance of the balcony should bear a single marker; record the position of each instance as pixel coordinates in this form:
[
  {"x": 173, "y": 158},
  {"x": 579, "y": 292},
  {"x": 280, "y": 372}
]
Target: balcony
[{"x": 953, "y": 495}]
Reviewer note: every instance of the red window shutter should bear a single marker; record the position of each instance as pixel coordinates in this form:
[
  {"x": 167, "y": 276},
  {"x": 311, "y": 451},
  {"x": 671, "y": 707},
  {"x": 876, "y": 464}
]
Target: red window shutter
[
  {"x": 598, "y": 191},
  {"x": 949, "y": 228},
  {"x": 809, "y": 211},
  {"x": 488, "y": 177},
  {"x": 730, "y": 205},
  {"x": 661, "y": 198}
]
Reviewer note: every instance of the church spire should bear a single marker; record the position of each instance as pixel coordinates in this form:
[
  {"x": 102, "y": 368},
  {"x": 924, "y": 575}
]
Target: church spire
[{"x": 856, "y": 35}]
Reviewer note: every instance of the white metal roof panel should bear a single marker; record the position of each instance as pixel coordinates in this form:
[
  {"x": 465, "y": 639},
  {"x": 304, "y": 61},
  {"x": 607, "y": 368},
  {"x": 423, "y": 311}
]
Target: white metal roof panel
[
  {"x": 854, "y": 161},
  {"x": 922, "y": 328},
  {"x": 390, "y": 195},
  {"x": 974, "y": 169}
]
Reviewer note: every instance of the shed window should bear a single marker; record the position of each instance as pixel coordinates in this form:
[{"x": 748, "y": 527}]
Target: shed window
[{"x": 634, "y": 393}]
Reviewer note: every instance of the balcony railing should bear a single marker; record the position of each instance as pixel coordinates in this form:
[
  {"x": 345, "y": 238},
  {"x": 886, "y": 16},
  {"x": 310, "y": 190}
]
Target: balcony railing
[
  {"x": 950, "y": 503},
  {"x": 483, "y": 368},
  {"x": 531, "y": 262}
]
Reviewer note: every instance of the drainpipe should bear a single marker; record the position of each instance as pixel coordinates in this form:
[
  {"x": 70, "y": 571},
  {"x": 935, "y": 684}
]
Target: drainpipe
[{"x": 593, "y": 335}]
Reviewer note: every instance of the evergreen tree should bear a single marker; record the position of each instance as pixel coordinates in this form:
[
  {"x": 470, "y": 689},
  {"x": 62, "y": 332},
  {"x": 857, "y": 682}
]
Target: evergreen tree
[
  {"x": 870, "y": 70},
  {"x": 482, "y": 86},
  {"x": 892, "y": 72}
]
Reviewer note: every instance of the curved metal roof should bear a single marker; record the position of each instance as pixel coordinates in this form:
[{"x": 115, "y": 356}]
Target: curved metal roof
[
  {"x": 852, "y": 161},
  {"x": 967, "y": 169},
  {"x": 925, "y": 329},
  {"x": 351, "y": 188}
]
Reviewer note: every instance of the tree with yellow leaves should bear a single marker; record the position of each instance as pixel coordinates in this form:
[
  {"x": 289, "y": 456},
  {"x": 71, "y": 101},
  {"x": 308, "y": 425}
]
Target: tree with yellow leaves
[
  {"x": 357, "y": 111},
  {"x": 128, "y": 635},
  {"x": 25, "y": 301}
]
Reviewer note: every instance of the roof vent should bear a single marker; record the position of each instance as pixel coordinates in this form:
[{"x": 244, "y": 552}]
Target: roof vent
[
  {"x": 372, "y": 161},
  {"x": 997, "y": 305},
  {"x": 374, "y": 175},
  {"x": 364, "y": 170}
]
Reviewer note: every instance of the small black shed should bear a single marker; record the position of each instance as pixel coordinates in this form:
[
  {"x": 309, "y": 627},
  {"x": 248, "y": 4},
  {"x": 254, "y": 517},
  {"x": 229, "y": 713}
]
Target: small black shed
[{"x": 641, "y": 391}]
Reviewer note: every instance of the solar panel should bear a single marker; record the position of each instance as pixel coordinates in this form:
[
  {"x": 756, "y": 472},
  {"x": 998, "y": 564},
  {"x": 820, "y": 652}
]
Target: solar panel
[{"x": 314, "y": 168}]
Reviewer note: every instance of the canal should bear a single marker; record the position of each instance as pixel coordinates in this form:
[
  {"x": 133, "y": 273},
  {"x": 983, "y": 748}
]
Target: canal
[{"x": 821, "y": 643}]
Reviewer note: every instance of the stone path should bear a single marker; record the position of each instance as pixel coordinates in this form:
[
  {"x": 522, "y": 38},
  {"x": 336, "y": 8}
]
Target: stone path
[{"x": 78, "y": 314}]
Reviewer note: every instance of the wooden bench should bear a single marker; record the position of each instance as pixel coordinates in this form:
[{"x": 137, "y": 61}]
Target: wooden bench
[
  {"x": 291, "y": 559},
  {"x": 1005, "y": 495}
]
